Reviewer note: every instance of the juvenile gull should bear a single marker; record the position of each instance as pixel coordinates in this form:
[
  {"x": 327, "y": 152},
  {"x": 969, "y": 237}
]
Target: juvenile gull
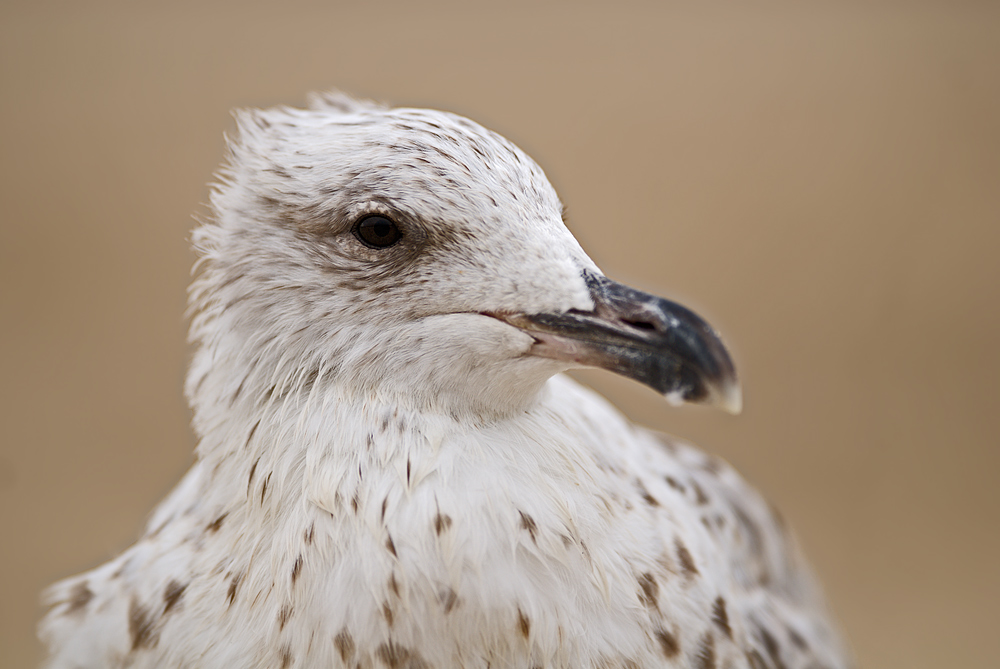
[{"x": 391, "y": 470}]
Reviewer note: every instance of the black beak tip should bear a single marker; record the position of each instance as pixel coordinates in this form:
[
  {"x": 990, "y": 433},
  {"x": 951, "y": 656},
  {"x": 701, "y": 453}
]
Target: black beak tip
[
  {"x": 724, "y": 393},
  {"x": 717, "y": 386}
]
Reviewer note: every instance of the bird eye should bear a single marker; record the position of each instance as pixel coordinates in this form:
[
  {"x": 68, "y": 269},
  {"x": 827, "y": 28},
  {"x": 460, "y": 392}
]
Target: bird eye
[{"x": 377, "y": 232}]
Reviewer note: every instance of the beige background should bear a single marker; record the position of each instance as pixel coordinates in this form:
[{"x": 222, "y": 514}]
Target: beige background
[{"x": 823, "y": 184}]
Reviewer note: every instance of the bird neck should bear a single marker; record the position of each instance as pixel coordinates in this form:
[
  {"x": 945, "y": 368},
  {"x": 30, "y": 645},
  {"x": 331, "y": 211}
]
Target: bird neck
[{"x": 312, "y": 434}]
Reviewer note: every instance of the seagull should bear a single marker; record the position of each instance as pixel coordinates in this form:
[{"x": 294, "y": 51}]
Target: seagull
[{"x": 392, "y": 470}]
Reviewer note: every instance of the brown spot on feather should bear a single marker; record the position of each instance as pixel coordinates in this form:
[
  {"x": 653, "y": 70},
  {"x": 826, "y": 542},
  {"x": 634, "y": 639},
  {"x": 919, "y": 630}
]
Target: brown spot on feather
[
  {"x": 263, "y": 488},
  {"x": 140, "y": 626},
  {"x": 344, "y": 643},
  {"x": 649, "y": 590},
  {"x": 283, "y": 615},
  {"x": 720, "y": 617},
  {"x": 669, "y": 643},
  {"x": 773, "y": 648},
  {"x": 79, "y": 598},
  {"x": 390, "y": 546},
  {"x": 233, "y": 585},
  {"x": 216, "y": 524},
  {"x": 449, "y": 597},
  {"x": 394, "y": 656},
  {"x": 172, "y": 595},
  {"x": 387, "y": 613},
  {"x": 441, "y": 523},
  {"x": 684, "y": 557},
  {"x": 649, "y": 499},
  {"x": 700, "y": 497},
  {"x": 296, "y": 568},
  {"x": 705, "y": 659},
  {"x": 523, "y": 623},
  {"x": 528, "y": 523}
]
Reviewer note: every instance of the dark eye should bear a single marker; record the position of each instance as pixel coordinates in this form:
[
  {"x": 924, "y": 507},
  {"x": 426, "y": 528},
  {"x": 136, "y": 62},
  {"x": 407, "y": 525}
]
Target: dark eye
[{"x": 377, "y": 232}]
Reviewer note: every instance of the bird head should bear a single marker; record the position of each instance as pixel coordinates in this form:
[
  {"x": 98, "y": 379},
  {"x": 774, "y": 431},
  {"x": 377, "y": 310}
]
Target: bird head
[{"x": 414, "y": 255}]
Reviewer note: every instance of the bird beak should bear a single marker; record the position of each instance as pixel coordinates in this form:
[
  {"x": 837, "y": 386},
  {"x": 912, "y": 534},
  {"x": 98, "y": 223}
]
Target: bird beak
[{"x": 643, "y": 337}]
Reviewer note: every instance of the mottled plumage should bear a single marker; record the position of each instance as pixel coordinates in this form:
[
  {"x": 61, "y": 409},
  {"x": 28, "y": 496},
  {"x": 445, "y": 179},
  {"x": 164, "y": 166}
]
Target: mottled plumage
[{"x": 391, "y": 472}]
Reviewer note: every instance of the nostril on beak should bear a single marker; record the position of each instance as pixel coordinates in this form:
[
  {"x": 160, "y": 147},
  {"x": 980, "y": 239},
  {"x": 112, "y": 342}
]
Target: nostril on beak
[{"x": 640, "y": 325}]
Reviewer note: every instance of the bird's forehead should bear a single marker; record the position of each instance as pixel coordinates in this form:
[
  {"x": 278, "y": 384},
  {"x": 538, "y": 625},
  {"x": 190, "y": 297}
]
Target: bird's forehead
[
  {"x": 437, "y": 139},
  {"x": 427, "y": 157}
]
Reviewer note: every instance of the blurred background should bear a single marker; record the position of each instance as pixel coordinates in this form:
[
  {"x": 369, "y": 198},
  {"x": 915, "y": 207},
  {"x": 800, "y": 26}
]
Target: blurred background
[{"x": 821, "y": 181}]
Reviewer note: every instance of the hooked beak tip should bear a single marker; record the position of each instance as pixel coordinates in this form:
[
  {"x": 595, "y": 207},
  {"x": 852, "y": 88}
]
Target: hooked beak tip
[{"x": 729, "y": 397}]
